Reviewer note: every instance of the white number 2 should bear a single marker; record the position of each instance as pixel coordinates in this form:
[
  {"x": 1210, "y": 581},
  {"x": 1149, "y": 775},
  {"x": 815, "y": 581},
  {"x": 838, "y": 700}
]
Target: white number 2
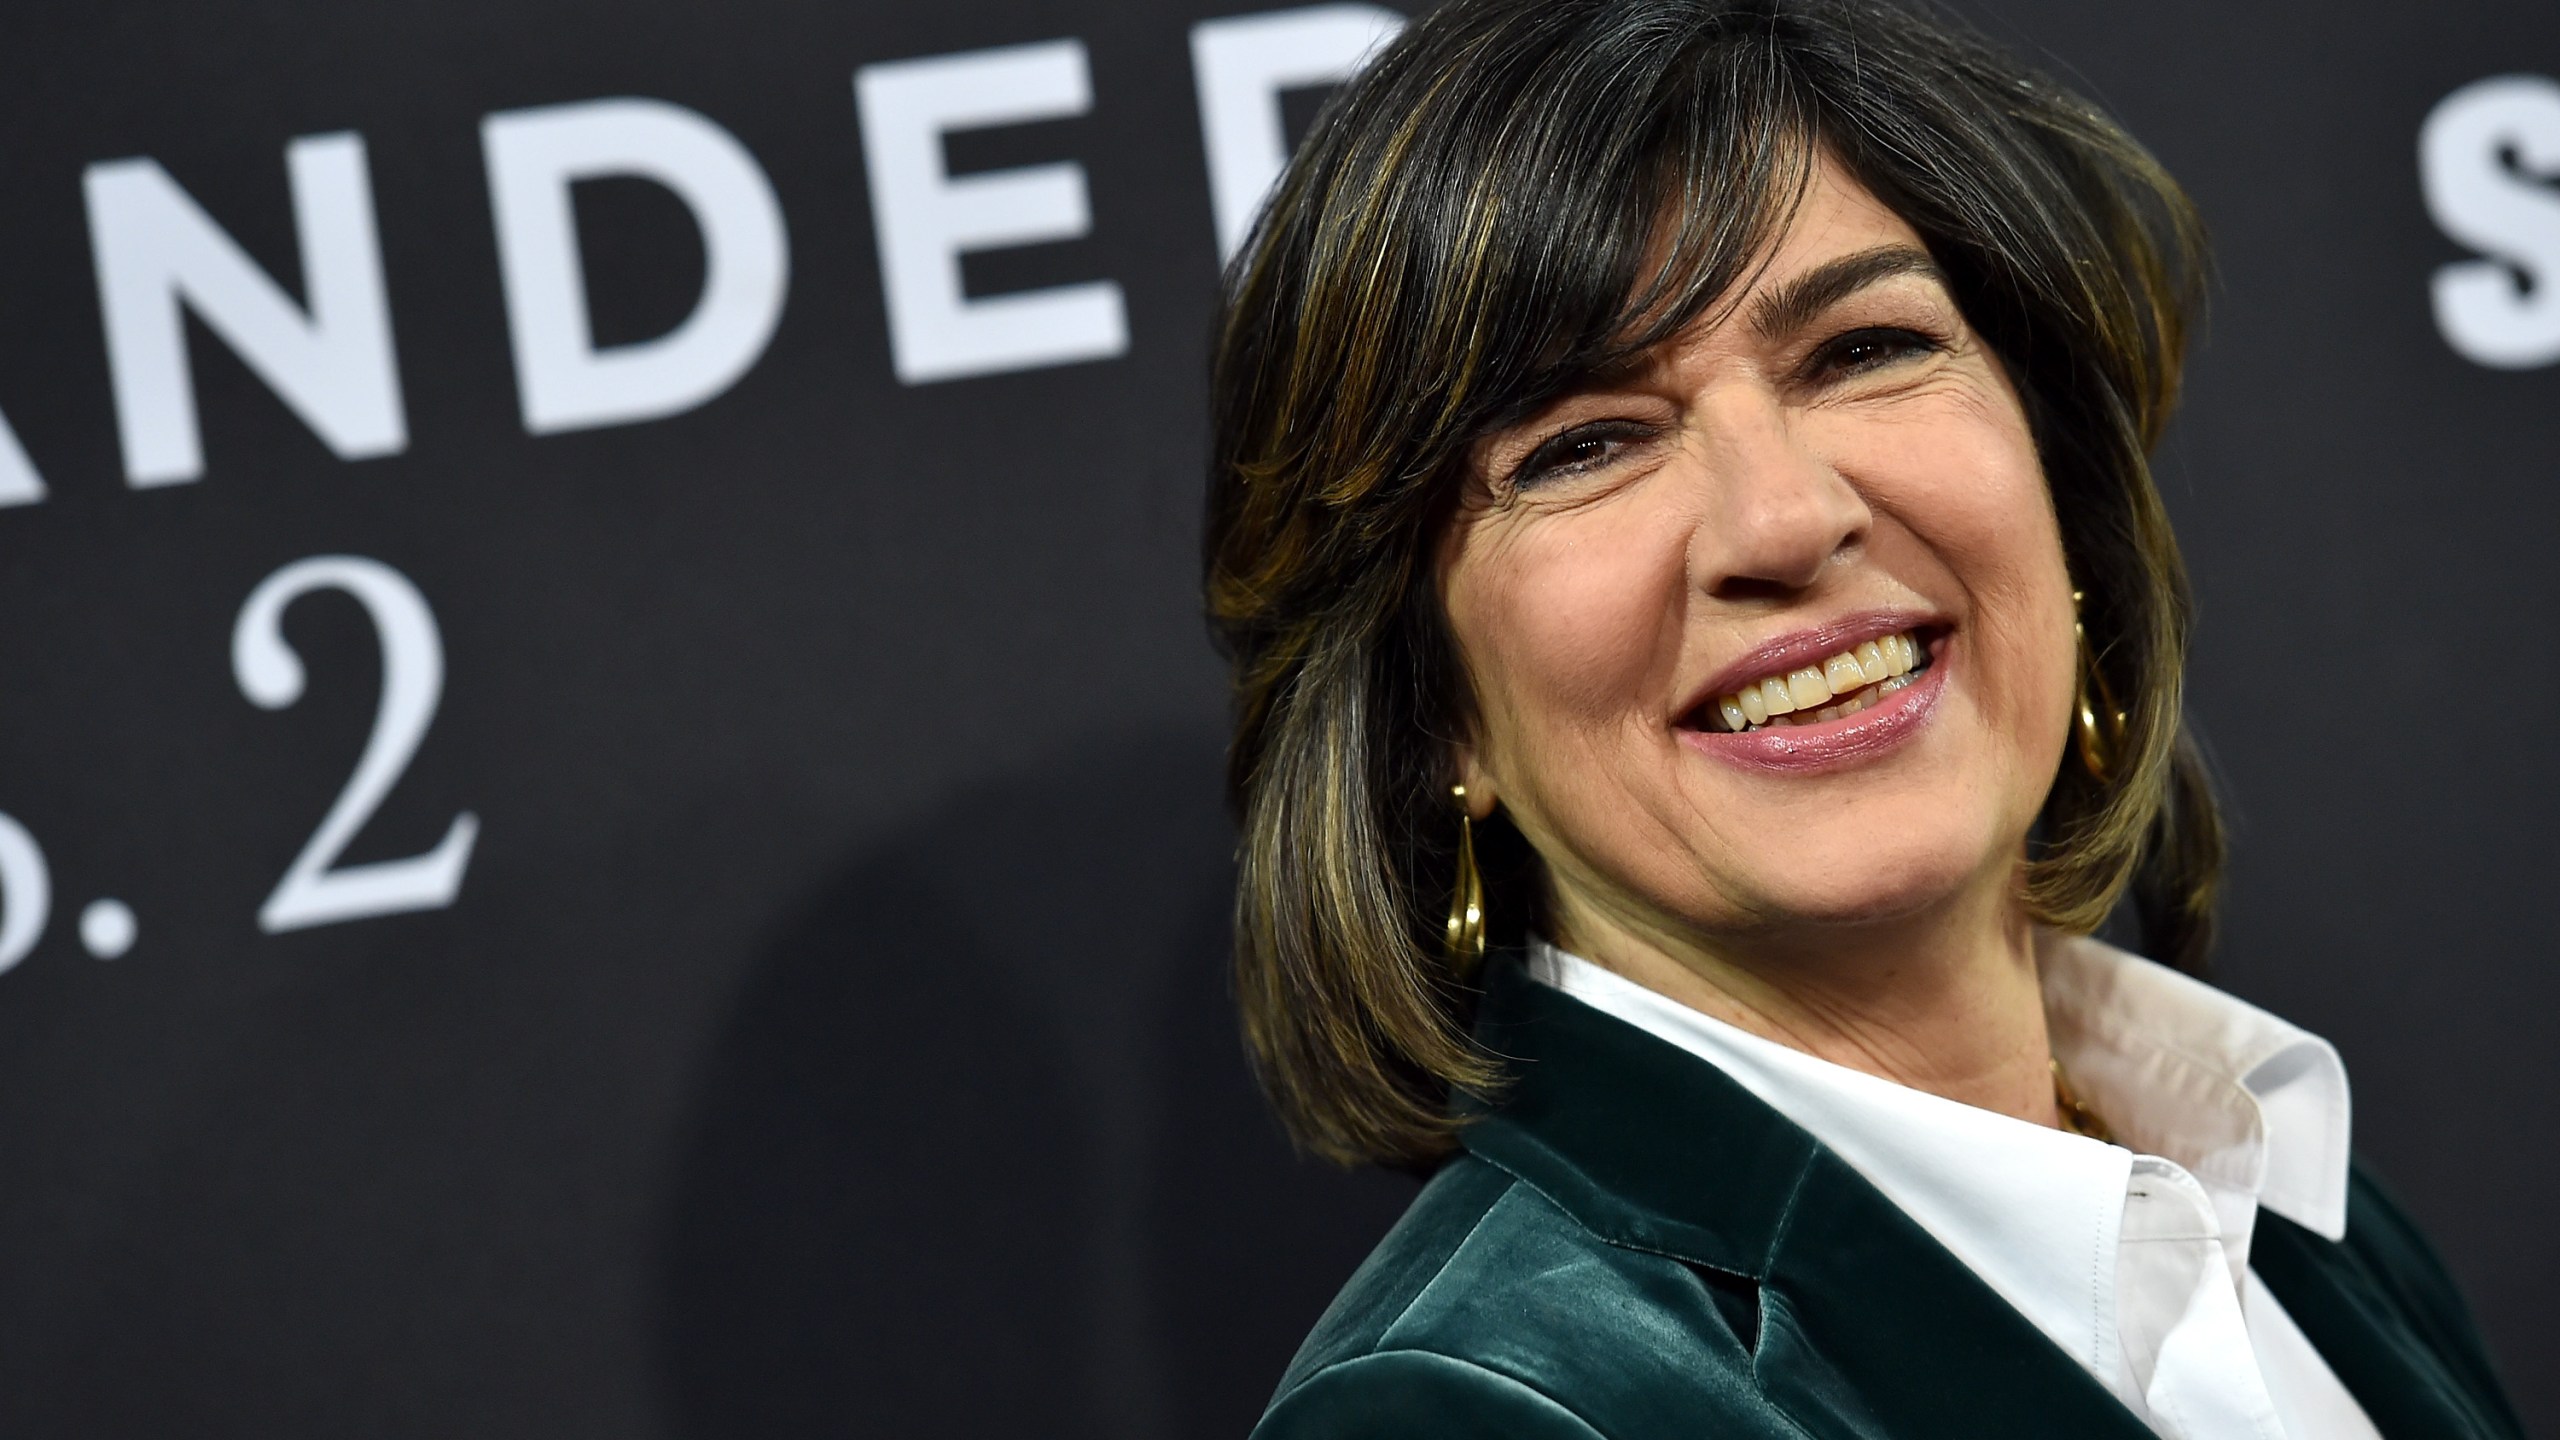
[{"x": 312, "y": 893}]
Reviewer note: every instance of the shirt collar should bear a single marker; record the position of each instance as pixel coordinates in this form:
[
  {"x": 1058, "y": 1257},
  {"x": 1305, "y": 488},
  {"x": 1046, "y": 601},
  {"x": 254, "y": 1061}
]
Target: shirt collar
[
  {"x": 2254, "y": 1106},
  {"x": 2241, "y": 1098}
]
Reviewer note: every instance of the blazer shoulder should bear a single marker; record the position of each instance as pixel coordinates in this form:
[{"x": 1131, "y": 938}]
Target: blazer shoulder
[
  {"x": 1490, "y": 1297},
  {"x": 1415, "y": 1253},
  {"x": 2381, "y": 1232},
  {"x": 1413, "y": 1395},
  {"x": 2382, "y": 1309},
  {"x": 2397, "y": 1254}
]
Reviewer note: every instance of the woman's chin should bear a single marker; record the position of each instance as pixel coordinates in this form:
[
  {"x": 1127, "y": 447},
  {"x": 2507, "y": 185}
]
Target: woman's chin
[{"x": 1849, "y": 882}]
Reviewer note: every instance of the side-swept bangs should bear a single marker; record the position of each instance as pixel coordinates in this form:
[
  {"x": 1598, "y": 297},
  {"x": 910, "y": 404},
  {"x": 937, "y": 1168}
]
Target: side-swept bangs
[{"x": 1516, "y": 196}]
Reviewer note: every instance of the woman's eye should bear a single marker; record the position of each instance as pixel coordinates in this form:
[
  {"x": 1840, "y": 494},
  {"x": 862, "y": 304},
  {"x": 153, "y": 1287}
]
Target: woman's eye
[
  {"x": 1582, "y": 448},
  {"x": 1862, "y": 350}
]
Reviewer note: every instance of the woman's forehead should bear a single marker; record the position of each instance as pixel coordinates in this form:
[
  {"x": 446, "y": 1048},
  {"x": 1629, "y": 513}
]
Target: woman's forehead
[
  {"x": 1834, "y": 238},
  {"x": 1836, "y": 213},
  {"x": 1838, "y": 238}
]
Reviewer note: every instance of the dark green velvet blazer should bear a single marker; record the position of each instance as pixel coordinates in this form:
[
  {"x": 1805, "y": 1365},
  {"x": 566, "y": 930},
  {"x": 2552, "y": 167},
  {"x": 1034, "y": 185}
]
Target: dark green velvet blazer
[{"x": 1630, "y": 1245}]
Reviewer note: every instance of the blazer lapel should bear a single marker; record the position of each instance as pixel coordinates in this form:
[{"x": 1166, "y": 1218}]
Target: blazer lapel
[
  {"x": 1868, "y": 1326},
  {"x": 1873, "y": 1328},
  {"x": 2389, "y": 1347}
]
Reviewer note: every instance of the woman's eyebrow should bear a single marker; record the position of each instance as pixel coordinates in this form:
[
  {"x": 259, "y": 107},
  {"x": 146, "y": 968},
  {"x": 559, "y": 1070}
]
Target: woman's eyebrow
[{"x": 1789, "y": 307}]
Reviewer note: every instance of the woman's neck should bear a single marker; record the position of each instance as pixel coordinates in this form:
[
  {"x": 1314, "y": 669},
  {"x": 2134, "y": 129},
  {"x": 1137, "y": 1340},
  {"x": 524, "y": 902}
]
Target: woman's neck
[{"x": 1943, "y": 1002}]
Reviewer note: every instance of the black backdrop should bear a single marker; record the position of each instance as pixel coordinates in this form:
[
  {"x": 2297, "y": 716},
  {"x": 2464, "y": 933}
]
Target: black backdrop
[{"x": 817, "y": 1025}]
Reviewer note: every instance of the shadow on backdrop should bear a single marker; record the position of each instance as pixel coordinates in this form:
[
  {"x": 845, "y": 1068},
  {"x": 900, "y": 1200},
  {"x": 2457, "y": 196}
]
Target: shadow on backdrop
[{"x": 978, "y": 1152}]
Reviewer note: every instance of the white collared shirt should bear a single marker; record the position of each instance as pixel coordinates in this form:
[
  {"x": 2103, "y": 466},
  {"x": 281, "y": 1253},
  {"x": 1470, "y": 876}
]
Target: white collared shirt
[{"x": 2133, "y": 1257}]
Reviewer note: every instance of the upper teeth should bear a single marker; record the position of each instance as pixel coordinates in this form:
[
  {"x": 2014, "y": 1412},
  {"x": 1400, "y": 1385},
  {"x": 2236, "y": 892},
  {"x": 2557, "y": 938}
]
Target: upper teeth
[{"x": 1857, "y": 677}]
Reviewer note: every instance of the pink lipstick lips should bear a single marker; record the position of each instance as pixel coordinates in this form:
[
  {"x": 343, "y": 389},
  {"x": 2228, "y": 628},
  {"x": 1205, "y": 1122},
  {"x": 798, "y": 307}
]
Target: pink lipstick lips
[{"x": 1823, "y": 698}]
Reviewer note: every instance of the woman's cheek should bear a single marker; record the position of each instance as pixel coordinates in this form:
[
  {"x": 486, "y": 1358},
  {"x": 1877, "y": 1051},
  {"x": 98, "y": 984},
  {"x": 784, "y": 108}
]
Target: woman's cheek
[
  {"x": 1572, "y": 623},
  {"x": 2025, "y": 658}
]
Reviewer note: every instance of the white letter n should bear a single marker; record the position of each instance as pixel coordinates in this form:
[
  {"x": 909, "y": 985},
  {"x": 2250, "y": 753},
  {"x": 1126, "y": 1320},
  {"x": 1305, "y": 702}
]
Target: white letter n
[{"x": 156, "y": 249}]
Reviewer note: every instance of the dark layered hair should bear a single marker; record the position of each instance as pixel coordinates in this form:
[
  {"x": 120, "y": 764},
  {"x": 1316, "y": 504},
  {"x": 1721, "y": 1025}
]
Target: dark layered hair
[{"x": 1476, "y": 226}]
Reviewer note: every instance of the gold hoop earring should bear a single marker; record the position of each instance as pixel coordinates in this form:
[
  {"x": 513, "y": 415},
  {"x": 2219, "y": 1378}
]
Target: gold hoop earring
[
  {"x": 2098, "y": 725},
  {"x": 1466, "y": 900}
]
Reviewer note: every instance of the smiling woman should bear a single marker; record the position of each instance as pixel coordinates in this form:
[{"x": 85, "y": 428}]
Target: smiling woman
[{"x": 1708, "y": 653}]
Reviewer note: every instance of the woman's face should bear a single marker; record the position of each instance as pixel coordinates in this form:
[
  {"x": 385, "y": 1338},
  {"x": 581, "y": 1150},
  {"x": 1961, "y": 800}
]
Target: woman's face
[{"x": 1654, "y": 582}]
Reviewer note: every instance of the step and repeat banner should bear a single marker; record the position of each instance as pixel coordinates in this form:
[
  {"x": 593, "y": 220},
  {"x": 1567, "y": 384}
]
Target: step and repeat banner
[{"x": 609, "y": 811}]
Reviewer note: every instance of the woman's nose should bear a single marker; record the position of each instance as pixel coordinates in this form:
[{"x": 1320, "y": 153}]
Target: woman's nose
[{"x": 1777, "y": 513}]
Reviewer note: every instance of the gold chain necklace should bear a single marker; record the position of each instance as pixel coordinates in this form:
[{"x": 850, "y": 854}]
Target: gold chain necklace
[{"x": 2077, "y": 1117}]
